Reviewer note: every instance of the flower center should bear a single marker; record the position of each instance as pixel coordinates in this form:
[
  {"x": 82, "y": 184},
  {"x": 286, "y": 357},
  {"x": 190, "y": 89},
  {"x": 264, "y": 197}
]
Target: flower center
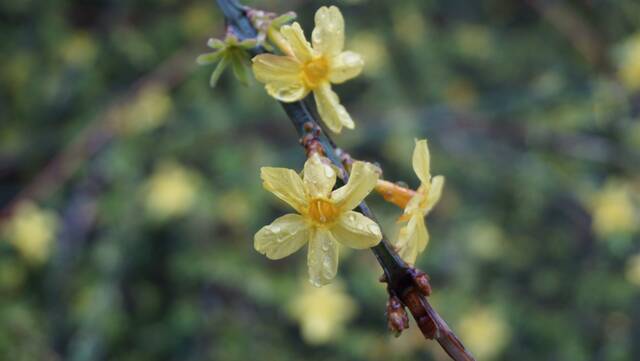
[
  {"x": 322, "y": 210},
  {"x": 315, "y": 72}
]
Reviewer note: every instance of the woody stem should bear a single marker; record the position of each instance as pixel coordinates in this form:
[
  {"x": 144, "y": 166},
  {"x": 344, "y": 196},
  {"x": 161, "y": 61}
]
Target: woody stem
[{"x": 400, "y": 277}]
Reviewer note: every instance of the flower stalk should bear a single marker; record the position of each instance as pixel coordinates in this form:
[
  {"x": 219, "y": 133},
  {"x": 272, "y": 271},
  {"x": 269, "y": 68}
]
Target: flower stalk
[{"x": 404, "y": 282}]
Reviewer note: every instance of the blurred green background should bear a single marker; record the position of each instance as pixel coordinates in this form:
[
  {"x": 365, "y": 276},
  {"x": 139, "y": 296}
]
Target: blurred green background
[{"x": 130, "y": 192}]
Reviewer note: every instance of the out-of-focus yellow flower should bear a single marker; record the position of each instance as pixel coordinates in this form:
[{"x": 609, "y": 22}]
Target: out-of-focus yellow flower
[
  {"x": 409, "y": 25},
  {"x": 485, "y": 332},
  {"x": 613, "y": 211},
  {"x": 325, "y": 218},
  {"x": 31, "y": 230},
  {"x": 322, "y": 312},
  {"x": 79, "y": 49},
  {"x": 473, "y": 41},
  {"x": 148, "y": 110},
  {"x": 307, "y": 69},
  {"x": 371, "y": 46},
  {"x": 632, "y": 273},
  {"x": 171, "y": 190},
  {"x": 196, "y": 20},
  {"x": 486, "y": 240},
  {"x": 629, "y": 66},
  {"x": 413, "y": 237}
]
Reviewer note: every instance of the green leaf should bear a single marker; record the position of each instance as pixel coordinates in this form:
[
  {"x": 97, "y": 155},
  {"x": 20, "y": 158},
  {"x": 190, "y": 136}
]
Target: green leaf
[
  {"x": 209, "y": 58},
  {"x": 238, "y": 60},
  {"x": 219, "y": 69},
  {"x": 248, "y": 44},
  {"x": 216, "y": 43}
]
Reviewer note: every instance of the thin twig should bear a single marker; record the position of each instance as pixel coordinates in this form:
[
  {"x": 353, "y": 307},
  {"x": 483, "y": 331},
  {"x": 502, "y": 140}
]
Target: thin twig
[{"x": 404, "y": 282}]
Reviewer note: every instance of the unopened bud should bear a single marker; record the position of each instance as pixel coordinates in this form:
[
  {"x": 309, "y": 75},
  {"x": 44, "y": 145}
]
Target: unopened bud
[
  {"x": 422, "y": 283},
  {"x": 397, "y": 318}
]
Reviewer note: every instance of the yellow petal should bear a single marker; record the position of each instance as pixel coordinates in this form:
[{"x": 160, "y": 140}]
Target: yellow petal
[
  {"x": 345, "y": 66},
  {"x": 412, "y": 239},
  {"x": 356, "y": 231},
  {"x": 281, "y": 74},
  {"x": 421, "y": 161},
  {"x": 414, "y": 204},
  {"x": 333, "y": 114},
  {"x": 285, "y": 184},
  {"x": 361, "y": 182},
  {"x": 282, "y": 237},
  {"x": 322, "y": 258},
  {"x": 299, "y": 45},
  {"x": 328, "y": 35},
  {"x": 437, "y": 183},
  {"x": 319, "y": 178}
]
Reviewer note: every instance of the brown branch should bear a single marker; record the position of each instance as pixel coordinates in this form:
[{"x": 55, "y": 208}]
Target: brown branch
[{"x": 405, "y": 283}]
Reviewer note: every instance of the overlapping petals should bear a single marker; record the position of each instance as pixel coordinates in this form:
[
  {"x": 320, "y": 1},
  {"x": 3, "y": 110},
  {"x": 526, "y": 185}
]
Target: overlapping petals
[
  {"x": 308, "y": 68},
  {"x": 414, "y": 236},
  {"x": 325, "y": 217}
]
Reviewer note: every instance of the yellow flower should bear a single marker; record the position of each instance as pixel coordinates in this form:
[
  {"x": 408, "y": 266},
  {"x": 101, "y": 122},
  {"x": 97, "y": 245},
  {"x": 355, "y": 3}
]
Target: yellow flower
[
  {"x": 632, "y": 272},
  {"x": 147, "y": 111},
  {"x": 170, "y": 191},
  {"x": 31, "y": 230},
  {"x": 413, "y": 237},
  {"x": 325, "y": 217},
  {"x": 307, "y": 69},
  {"x": 481, "y": 325},
  {"x": 629, "y": 65},
  {"x": 322, "y": 312},
  {"x": 613, "y": 210}
]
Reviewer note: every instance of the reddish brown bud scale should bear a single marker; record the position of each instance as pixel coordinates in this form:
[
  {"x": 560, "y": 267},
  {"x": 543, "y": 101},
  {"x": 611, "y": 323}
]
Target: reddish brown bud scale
[{"x": 397, "y": 318}]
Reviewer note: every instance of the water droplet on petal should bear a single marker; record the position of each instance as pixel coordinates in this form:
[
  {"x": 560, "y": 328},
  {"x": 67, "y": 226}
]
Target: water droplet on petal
[
  {"x": 328, "y": 172},
  {"x": 326, "y": 262},
  {"x": 275, "y": 229},
  {"x": 351, "y": 217},
  {"x": 373, "y": 228}
]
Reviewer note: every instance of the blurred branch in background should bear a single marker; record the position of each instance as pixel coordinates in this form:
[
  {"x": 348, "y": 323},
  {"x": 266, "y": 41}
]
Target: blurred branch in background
[
  {"x": 99, "y": 132},
  {"x": 583, "y": 36}
]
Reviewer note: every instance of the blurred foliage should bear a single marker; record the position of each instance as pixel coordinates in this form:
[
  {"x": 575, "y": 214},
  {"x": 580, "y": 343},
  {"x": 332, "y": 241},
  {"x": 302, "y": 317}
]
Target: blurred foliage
[{"x": 532, "y": 112}]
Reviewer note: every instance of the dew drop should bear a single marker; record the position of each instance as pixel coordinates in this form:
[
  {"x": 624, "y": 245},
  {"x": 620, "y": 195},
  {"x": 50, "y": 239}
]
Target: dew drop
[
  {"x": 328, "y": 172},
  {"x": 325, "y": 246},
  {"x": 373, "y": 228},
  {"x": 275, "y": 229},
  {"x": 352, "y": 217},
  {"x": 326, "y": 263}
]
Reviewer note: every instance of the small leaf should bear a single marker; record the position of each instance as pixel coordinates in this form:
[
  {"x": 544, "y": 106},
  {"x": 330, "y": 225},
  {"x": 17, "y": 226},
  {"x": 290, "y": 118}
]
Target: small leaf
[
  {"x": 239, "y": 69},
  {"x": 248, "y": 43},
  {"x": 219, "y": 69},
  {"x": 209, "y": 58},
  {"x": 215, "y": 43}
]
